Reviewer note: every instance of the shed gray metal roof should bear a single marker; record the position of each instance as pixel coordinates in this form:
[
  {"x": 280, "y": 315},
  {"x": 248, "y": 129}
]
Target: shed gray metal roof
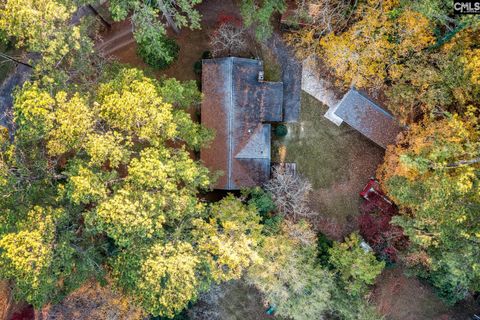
[
  {"x": 362, "y": 114},
  {"x": 236, "y": 105}
]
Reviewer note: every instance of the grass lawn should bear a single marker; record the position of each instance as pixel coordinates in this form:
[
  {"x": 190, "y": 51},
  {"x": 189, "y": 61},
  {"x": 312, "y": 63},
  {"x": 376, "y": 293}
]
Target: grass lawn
[{"x": 338, "y": 161}]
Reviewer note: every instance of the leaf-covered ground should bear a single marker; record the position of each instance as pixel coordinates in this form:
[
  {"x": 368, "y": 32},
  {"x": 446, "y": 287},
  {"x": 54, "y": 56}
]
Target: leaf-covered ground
[{"x": 338, "y": 161}]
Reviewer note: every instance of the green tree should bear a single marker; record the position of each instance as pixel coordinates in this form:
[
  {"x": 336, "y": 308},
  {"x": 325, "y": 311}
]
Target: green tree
[
  {"x": 259, "y": 14},
  {"x": 290, "y": 279},
  {"x": 177, "y": 13},
  {"x": 154, "y": 47},
  {"x": 356, "y": 268},
  {"x": 150, "y": 33},
  {"x": 105, "y": 184},
  {"x": 46, "y": 27},
  {"x": 433, "y": 175}
]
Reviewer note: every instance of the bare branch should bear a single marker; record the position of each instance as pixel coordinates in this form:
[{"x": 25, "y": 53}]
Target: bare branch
[
  {"x": 228, "y": 39},
  {"x": 290, "y": 194}
]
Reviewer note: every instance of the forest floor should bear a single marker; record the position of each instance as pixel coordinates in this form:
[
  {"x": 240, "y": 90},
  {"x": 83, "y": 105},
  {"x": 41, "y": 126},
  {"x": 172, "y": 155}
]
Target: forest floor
[
  {"x": 233, "y": 300},
  {"x": 400, "y": 297}
]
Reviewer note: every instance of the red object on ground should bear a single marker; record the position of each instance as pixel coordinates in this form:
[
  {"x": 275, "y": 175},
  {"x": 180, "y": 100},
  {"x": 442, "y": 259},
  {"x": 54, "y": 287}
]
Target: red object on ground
[
  {"x": 26, "y": 314},
  {"x": 374, "y": 195},
  {"x": 374, "y": 222},
  {"x": 224, "y": 17}
]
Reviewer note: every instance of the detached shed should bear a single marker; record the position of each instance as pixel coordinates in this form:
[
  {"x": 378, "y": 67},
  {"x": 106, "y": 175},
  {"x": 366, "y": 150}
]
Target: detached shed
[
  {"x": 239, "y": 106},
  {"x": 364, "y": 115}
]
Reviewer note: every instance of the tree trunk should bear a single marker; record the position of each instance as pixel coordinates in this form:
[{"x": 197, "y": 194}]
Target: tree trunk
[
  {"x": 167, "y": 16},
  {"x": 463, "y": 163}
]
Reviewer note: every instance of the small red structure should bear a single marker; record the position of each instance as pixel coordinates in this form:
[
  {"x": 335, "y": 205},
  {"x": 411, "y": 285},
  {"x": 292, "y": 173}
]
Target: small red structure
[
  {"x": 374, "y": 195},
  {"x": 375, "y": 223}
]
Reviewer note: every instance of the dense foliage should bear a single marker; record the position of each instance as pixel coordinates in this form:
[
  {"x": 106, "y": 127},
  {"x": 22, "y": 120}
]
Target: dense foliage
[
  {"x": 434, "y": 175},
  {"x": 259, "y": 14},
  {"x": 357, "y": 268},
  {"x": 299, "y": 286},
  {"x": 105, "y": 184},
  {"x": 417, "y": 53},
  {"x": 150, "y": 33},
  {"x": 56, "y": 42}
]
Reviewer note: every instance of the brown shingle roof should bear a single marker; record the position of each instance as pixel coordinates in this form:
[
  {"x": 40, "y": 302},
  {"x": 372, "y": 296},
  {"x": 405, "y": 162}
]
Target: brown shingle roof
[
  {"x": 236, "y": 105},
  {"x": 361, "y": 113}
]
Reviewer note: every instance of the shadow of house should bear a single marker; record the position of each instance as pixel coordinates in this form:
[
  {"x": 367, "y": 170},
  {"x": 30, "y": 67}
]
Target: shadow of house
[{"x": 240, "y": 108}]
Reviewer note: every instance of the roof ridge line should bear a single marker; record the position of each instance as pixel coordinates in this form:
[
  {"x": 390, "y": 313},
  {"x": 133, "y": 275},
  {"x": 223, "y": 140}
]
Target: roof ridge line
[{"x": 230, "y": 121}]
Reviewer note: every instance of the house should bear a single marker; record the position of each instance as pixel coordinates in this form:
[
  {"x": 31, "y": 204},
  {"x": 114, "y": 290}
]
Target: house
[
  {"x": 365, "y": 116},
  {"x": 240, "y": 107}
]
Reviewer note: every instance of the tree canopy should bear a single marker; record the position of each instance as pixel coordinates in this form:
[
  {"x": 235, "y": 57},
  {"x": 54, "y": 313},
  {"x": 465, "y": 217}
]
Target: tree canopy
[
  {"x": 259, "y": 14},
  {"x": 47, "y": 28},
  {"x": 112, "y": 182},
  {"x": 433, "y": 175}
]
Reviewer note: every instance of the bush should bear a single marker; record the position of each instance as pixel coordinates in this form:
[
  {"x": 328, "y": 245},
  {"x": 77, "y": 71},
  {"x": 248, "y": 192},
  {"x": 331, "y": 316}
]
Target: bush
[
  {"x": 281, "y": 130},
  {"x": 156, "y": 49},
  {"x": 265, "y": 206},
  {"x": 260, "y": 199},
  {"x": 355, "y": 267},
  {"x": 197, "y": 67},
  {"x": 323, "y": 246},
  {"x": 206, "y": 55}
]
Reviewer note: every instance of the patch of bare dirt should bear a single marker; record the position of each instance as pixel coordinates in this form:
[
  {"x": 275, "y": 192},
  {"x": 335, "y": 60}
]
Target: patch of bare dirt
[
  {"x": 399, "y": 297},
  {"x": 93, "y": 301},
  {"x": 5, "y": 299},
  {"x": 233, "y": 300}
]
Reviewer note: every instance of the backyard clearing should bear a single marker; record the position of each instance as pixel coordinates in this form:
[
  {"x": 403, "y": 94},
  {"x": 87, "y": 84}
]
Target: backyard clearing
[
  {"x": 233, "y": 300},
  {"x": 338, "y": 161},
  {"x": 399, "y": 297}
]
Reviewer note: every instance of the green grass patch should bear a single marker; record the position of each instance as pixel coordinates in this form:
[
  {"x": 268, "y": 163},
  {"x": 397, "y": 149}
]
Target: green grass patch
[{"x": 317, "y": 145}]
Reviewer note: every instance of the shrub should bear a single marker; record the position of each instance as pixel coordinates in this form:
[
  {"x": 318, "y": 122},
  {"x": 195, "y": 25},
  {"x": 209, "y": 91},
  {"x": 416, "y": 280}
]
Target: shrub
[
  {"x": 323, "y": 246},
  {"x": 206, "y": 55},
  {"x": 265, "y": 206},
  {"x": 156, "y": 49},
  {"x": 197, "y": 67},
  {"x": 355, "y": 267},
  {"x": 260, "y": 199},
  {"x": 281, "y": 130},
  {"x": 384, "y": 238}
]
